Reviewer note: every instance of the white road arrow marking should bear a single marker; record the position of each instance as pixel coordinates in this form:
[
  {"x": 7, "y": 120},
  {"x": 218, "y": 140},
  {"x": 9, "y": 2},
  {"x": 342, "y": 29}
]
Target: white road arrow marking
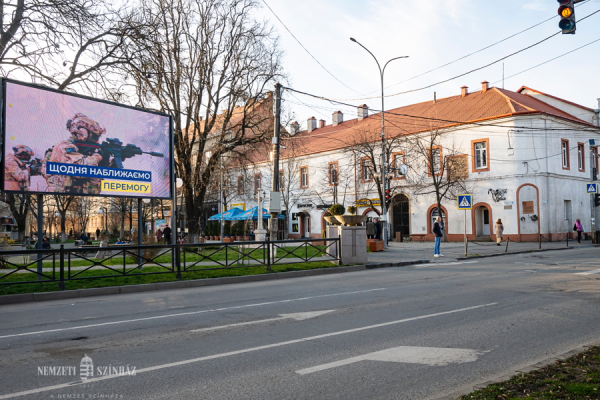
[
  {"x": 434, "y": 356},
  {"x": 139, "y": 371},
  {"x": 597, "y": 271},
  {"x": 297, "y": 316}
]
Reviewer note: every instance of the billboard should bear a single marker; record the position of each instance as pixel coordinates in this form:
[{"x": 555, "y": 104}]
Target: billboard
[{"x": 59, "y": 143}]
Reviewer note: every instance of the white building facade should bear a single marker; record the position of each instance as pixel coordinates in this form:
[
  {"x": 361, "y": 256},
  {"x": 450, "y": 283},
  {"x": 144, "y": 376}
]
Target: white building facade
[{"x": 525, "y": 156}]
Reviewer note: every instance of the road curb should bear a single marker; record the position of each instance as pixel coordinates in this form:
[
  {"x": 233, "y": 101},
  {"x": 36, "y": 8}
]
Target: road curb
[
  {"x": 525, "y": 252},
  {"x": 523, "y": 370},
  {"x": 186, "y": 284}
]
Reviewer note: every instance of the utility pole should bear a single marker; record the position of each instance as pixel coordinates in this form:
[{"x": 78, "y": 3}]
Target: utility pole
[{"x": 275, "y": 196}]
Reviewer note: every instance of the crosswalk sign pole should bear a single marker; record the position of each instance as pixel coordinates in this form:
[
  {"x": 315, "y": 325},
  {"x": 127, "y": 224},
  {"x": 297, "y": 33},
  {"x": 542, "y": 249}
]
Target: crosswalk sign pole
[{"x": 466, "y": 233}]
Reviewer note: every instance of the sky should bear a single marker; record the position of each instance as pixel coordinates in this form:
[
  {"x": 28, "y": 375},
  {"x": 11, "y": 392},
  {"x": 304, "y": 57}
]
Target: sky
[{"x": 431, "y": 33}]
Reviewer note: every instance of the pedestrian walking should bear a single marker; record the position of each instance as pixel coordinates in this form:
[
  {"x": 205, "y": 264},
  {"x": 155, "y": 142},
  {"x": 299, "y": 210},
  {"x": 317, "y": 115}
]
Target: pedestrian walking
[
  {"x": 167, "y": 234},
  {"x": 371, "y": 229},
  {"x": 159, "y": 234},
  {"x": 579, "y": 228},
  {"x": 378, "y": 229},
  {"x": 437, "y": 230},
  {"x": 97, "y": 233},
  {"x": 499, "y": 231}
]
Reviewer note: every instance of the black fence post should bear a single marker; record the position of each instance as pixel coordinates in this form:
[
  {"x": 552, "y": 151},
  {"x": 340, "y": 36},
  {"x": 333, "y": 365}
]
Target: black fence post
[
  {"x": 567, "y": 239},
  {"x": 177, "y": 260},
  {"x": 540, "y": 241},
  {"x": 269, "y": 253},
  {"x": 61, "y": 282}
]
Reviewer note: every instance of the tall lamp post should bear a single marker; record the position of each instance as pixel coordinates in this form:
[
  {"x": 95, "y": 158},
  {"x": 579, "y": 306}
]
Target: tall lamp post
[{"x": 383, "y": 152}]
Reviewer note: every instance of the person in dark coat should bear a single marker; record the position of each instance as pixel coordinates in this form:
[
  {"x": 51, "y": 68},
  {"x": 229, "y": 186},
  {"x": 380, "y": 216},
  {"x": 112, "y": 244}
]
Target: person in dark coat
[
  {"x": 371, "y": 230},
  {"x": 378, "y": 229},
  {"x": 167, "y": 234},
  {"x": 97, "y": 233},
  {"x": 437, "y": 230}
]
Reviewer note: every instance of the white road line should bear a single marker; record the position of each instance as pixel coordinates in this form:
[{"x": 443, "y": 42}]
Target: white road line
[
  {"x": 597, "y": 271},
  {"x": 232, "y": 353},
  {"x": 297, "y": 316},
  {"x": 188, "y": 313},
  {"x": 434, "y": 356},
  {"x": 418, "y": 266}
]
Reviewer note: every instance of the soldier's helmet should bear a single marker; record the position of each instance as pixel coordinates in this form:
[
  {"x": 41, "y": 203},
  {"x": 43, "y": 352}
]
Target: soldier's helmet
[
  {"x": 85, "y": 129},
  {"x": 23, "y": 152}
]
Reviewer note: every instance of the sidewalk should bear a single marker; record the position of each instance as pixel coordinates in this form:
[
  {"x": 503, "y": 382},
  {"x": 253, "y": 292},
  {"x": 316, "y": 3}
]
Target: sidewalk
[{"x": 414, "y": 251}]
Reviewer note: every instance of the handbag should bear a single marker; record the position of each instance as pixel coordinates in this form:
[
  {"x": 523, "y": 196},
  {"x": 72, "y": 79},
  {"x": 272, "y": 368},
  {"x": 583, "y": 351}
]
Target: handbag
[{"x": 575, "y": 227}]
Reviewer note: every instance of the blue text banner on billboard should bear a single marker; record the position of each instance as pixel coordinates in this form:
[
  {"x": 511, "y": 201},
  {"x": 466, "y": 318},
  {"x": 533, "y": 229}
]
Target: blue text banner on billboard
[
  {"x": 97, "y": 172},
  {"x": 60, "y": 143}
]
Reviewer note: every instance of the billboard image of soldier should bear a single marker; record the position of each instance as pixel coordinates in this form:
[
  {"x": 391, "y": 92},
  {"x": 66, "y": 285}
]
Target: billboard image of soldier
[{"x": 83, "y": 146}]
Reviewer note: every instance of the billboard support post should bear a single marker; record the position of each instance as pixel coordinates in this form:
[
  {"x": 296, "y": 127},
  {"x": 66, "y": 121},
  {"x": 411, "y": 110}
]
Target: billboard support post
[
  {"x": 140, "y": 229},
  {"x": 40, "y": 229}
]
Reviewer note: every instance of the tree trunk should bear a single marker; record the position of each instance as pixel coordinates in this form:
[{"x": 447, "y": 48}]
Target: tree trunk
[{"x": 63, "y": 227}]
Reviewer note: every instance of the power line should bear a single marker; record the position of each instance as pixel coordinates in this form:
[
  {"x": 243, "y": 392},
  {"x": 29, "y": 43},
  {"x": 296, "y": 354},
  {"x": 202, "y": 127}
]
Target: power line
[
  {"x": 552, "y": 59},
  {"x": 473, "y": 70},
  {"x": 305, "y": 49},
  {"x": 482, "y": 49}
]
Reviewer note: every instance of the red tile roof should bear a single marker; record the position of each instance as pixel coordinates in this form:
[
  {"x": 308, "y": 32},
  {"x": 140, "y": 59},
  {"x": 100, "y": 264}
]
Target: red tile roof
[
  {"x": 522, "y": 88},
  {"x": 451, "y": 111}
]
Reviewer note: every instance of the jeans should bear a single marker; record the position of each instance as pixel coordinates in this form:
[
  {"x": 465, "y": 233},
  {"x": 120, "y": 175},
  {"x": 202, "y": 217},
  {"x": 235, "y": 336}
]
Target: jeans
[{"x": 438, "y": 242}]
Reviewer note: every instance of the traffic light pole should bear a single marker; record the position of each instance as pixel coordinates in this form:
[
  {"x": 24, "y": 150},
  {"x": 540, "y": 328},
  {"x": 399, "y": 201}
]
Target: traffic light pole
[{"x": 592, "y": 198}]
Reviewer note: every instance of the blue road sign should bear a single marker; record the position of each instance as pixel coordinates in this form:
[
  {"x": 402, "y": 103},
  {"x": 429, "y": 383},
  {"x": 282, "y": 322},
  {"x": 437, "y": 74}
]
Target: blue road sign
[
  {"x": 592, "y": 188},
  {"x": 464, "y": 201}
]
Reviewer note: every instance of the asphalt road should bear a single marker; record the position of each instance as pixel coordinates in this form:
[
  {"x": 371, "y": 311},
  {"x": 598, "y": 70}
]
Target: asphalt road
[{"x": 420, "y": 332}]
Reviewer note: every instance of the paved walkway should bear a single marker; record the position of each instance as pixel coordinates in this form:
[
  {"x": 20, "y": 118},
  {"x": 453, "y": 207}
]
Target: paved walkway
[{"x": 413, "y": 251}]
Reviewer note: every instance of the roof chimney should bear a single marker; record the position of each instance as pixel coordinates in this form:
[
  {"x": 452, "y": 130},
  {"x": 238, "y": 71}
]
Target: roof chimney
[
  {"x": 311, "y": 124},
  {"x": 484, "y": 86},
  {"x": 363, "y": 112},
  {"x": 464, "y": 90},
  {"x": 338, "y": 118},
  {"x": 295, "y": 128},
  {"x": 321, "y": 123}
]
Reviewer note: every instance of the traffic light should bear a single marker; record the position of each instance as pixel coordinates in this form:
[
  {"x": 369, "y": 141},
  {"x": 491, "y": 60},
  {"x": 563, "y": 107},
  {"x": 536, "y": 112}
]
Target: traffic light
[
  {"x": 567, "y": 16},
  {"x": 388, "y": 197},
  {"x": 597, "y": 199}
]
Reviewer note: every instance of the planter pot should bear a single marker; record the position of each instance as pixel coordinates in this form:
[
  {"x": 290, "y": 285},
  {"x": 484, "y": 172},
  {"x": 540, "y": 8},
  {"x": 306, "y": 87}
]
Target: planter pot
[
  {"x": 239, "y": 238},
  {"x": 246, "y": 238},
  {"x": 332, "y": 220},
  {"x": 351, "y": 220}
]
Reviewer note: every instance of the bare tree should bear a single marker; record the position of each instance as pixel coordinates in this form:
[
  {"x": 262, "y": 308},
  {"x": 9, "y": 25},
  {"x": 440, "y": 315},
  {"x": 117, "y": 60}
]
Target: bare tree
[
  {"x": 82, "y": 209},
  {"x": 210, "y": 65},
  {"x": 437, "y": 167}
]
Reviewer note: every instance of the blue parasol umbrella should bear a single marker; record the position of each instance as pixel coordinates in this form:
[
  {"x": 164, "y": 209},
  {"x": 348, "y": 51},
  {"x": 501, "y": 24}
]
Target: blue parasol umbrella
[
  {"x": 227, "y": 215},
  {"x": 253, "y": 214}
]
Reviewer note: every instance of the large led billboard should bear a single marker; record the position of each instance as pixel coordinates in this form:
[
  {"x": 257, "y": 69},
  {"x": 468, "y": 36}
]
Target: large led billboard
[{"x": 60, "y": 143}]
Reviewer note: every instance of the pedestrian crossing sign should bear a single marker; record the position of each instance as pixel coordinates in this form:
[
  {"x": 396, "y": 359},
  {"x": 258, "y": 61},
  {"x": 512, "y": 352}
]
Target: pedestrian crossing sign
[
  {"x": 592, "y": 188},
  {"x": 464, "y": 201}
]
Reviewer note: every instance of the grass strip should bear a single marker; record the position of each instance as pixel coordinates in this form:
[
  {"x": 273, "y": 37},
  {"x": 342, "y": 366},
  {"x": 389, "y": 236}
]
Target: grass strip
[
  {"x": 577, "y": 377},
  {"x": 155, "y": 278}
]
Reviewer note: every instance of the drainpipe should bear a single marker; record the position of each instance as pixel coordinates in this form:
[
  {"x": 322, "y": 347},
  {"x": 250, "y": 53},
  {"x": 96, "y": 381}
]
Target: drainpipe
[{"x": 547, "y": 208}]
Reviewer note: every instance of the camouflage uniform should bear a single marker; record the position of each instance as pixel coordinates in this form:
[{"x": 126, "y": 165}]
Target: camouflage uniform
[
  {"x": 80, "y": 149},
  {"x": 16, "y": 170}
]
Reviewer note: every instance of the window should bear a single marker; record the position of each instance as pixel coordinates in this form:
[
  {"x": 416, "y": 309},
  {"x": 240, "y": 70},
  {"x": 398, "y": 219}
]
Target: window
[
  {"x": 397, "y": 161},
  {"x": 480, "y": 154},
  {"x": 564, "y": 150},
  {"x": 435, "y": 161},
  {"x": 366, "y": 169},
  {"x": 333, "y": 173},
  {"x": 581, "y": 157},
  {"x": 240, "y": 185},
  {"x": 458, "y": 167},
  {"x": 281, "y": 181},
  {"x": 257, "y": 182},
  {"x": 303, "y": 177}
]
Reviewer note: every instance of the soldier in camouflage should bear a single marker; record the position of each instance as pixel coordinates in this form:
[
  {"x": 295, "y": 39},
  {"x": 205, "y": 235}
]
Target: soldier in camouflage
[
  {"x": 16, "y": 168},
  {"x": 82, "y": 148}
]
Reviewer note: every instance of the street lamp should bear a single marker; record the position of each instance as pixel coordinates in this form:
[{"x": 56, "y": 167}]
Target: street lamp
[
  {"x": 383, "y": 152},
  {"x": 176, "y": 214}
]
